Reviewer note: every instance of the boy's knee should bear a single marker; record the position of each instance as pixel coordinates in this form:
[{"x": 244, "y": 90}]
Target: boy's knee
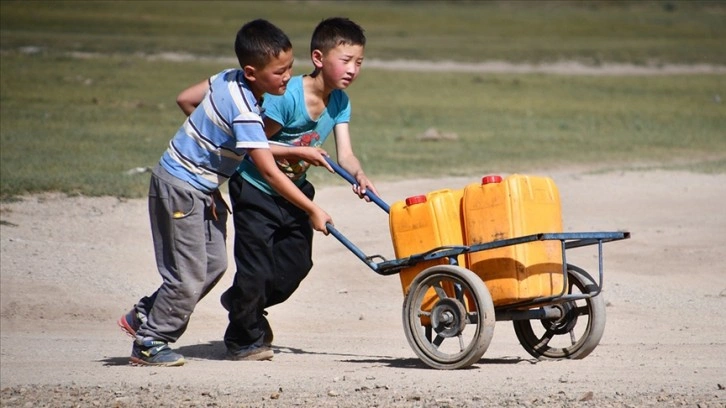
[{"x": 303, "y": 270}]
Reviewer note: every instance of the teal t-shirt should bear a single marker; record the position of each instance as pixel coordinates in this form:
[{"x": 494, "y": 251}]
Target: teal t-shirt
[{"x": 298, "y": 129}]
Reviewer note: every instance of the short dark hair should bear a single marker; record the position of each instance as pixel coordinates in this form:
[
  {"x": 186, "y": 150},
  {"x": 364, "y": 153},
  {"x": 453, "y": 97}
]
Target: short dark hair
[
  {"x": 334, "y": 31},
  {"x": 259, "y": 41}
]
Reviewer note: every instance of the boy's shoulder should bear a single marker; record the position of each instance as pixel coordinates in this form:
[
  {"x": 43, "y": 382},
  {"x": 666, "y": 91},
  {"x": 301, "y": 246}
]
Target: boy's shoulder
[
  {"x": 297, "y": 83},
  {"x": 231, "y": 81},
  {"x": 229, "y": 89},
  {"x": 295, "y": 90},
  {"x": 339, "y": 96},
  {"x": 227, "y": 75}
]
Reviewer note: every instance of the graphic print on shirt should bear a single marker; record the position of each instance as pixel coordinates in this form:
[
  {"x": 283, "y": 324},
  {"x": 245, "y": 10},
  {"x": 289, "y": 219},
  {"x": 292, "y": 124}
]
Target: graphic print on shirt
[{"x": 297, "y": 169}]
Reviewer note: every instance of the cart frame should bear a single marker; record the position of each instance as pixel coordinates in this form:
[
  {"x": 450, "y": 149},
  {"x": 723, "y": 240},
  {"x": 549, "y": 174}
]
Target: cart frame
[{"x": 558, "y": 313}]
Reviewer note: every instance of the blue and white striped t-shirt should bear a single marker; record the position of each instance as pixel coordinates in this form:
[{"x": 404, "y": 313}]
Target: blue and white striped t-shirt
[{"x": 212, "y": 142}]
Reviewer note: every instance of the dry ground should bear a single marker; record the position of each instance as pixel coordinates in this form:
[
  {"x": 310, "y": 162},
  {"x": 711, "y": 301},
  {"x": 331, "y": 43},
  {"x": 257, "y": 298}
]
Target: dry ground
[{"x": 71, "y": 266}]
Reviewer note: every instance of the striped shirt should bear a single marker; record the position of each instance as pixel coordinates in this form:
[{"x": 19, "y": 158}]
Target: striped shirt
[{"x": 212, "y": 142}]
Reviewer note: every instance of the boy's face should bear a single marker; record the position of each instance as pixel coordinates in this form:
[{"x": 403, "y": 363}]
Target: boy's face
[
  {"x": 341, "y": 65},
  {"x": 273, "y": 77}
]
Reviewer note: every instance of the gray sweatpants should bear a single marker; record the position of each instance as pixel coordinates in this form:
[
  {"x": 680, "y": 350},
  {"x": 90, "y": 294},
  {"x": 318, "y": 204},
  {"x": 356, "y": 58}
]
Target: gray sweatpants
[{"x": 188, "y": 228}]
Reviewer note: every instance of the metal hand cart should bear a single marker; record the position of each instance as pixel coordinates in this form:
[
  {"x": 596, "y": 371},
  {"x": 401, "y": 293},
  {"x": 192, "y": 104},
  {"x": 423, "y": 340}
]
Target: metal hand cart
[{"x": 449, "y": 316}]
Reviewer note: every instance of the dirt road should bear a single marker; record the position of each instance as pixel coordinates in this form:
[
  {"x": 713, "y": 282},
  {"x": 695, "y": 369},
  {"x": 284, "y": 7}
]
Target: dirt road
[{"x": 71, "y": 266}]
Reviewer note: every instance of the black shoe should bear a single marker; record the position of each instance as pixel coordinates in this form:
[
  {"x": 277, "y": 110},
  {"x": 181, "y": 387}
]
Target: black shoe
[{"x": 252, "y": 353}]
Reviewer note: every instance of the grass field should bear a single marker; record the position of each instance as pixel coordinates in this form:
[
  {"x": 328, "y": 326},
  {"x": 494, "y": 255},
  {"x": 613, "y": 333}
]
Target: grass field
[{"x": 83, "y": 101}]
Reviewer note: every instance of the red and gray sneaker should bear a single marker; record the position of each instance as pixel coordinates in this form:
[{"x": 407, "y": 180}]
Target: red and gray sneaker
[
  {"x": 131, "y": 321},
  {"x": 155, "y": 353}
]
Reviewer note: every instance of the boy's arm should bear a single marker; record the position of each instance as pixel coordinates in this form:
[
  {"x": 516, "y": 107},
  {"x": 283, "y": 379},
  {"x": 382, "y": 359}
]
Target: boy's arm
[
  {"x": 349, "y": 162},
  {"x": 266, "y": 165},
  {"x": 191, "y": 97},
  {"x": 313, "y": 155},
  {"x": 271, "y": 127}
]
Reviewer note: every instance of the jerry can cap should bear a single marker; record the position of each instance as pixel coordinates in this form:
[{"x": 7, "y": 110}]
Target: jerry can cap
[
  {"x": 416, "y": 200},
  {"x": 491, "y": 179}
]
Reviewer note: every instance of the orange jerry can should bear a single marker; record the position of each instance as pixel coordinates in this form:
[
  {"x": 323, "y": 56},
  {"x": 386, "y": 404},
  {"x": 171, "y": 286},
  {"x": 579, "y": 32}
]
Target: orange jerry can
[
  {"x": 422, "y": 223},
  {"x": 518, "y": 205}
]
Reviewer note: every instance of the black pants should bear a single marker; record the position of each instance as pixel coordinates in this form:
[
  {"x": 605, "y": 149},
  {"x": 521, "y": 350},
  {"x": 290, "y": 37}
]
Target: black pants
[{"x": 272, "y": 252}]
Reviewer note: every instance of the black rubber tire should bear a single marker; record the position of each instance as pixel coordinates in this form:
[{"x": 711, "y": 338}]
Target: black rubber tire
[
  {"x": 463, "y": 303},
  {"x": 573, "y": 336}
]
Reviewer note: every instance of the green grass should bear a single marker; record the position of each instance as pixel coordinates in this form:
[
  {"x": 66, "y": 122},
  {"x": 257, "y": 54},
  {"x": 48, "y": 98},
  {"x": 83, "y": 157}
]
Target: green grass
[
  {"x": 515, "y": 122},
  {"x": 77, "y": 125},
  {"x": 591, "y": 31}
]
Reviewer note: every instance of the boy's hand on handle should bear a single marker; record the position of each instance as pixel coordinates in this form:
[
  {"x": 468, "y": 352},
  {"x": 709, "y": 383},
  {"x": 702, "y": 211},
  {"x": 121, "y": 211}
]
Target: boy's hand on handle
[
  {"x": 319, "y": 219},
  {"x": 315, "y": 156},
  {"x": 363, "y": 185}
]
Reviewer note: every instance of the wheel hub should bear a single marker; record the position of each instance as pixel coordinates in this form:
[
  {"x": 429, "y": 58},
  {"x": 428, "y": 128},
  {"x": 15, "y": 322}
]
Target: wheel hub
[
  {"x": 448, "y": 317},
  {"x": 565, "y": 323}
]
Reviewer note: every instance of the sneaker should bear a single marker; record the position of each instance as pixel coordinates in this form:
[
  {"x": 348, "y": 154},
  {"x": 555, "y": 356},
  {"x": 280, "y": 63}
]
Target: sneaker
[
  {"x": 253, "y": 353},
  {"x": 130, "y": 322},
  {"x": 155, "y": 353},
  {"x": 268, "y": 336}
]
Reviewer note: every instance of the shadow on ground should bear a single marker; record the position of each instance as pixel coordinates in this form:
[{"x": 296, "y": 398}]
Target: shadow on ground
[{"x": 216, "y": 350}]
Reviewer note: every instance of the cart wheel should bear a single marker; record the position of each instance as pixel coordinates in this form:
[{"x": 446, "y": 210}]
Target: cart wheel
[
  {"x": 448, "y": 317},
  {"x": 576, "y": 333}
]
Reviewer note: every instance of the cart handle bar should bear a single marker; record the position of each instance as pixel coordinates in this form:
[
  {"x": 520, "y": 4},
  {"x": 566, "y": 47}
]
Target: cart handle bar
[
  {"x": 352, "y": 247},
  {"x": 344, "y": 173}
]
